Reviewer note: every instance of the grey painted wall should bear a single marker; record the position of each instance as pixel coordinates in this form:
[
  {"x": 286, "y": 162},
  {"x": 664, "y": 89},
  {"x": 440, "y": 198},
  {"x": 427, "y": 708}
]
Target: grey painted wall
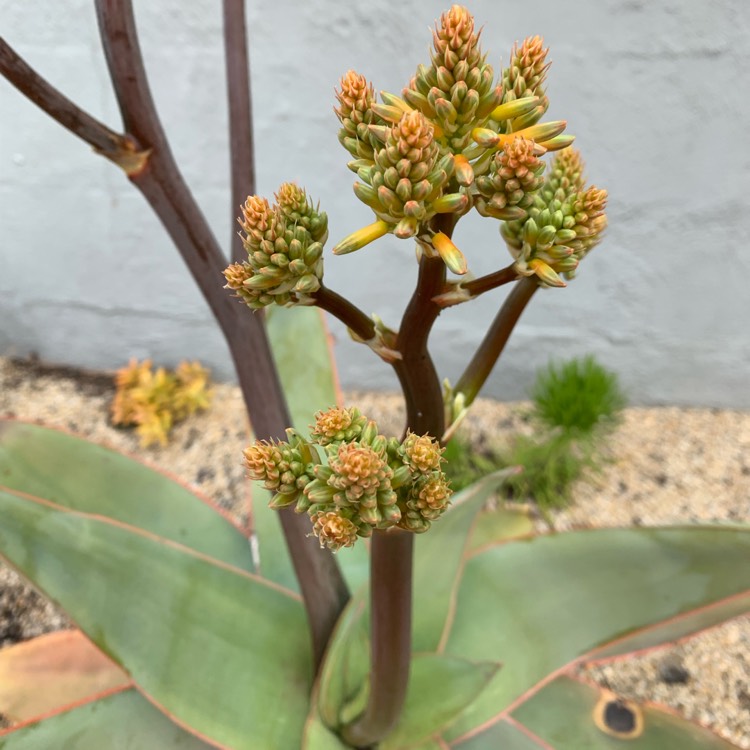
[{"x": 655, "y": 92}]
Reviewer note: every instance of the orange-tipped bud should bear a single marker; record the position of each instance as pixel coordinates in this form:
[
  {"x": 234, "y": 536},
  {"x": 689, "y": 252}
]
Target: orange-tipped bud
[
  {"x": 449, "y": 253},
  {"x": 545, "y": 273}
]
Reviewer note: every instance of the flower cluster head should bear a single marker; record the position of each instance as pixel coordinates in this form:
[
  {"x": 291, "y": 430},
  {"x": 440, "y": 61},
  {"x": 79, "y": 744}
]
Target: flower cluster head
[
  {"x": 284, "y": 244},
  {"x": 565, "y": 221},
  {"x": 350, "y": 479},
  {"x": 458, "y": 137}
]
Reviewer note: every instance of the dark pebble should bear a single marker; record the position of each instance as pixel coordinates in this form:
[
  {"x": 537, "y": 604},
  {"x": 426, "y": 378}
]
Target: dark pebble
[{"x": 673, "y": 672}]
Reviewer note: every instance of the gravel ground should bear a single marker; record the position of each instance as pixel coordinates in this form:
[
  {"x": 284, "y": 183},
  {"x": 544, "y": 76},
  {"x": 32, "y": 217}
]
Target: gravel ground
[{"x": 665, "y": 465}]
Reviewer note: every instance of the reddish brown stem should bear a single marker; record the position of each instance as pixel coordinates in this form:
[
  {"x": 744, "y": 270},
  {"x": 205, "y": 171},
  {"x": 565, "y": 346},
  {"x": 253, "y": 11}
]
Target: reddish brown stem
[
  {"x": 123, "y": 150},
  {"x": 489, "y": 351},
  {"x": 241, "y": 143},
  {"x": 349, "y": 314},
  {"x": 391, "y": 555},
  {"x": 391, "y": 552},
  {"x": 483, "y": 284}
]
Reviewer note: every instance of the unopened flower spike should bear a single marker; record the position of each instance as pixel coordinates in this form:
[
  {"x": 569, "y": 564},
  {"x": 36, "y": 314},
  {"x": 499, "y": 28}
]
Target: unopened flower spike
[
  {"x": 525, "y": 77},
  {"x": 404, "y": 186},
  {"x": 282, "y": 468},
  {"x": 514, "y": 175},
  {"x": 336, "y": 425},
  {"x": 564, "y": 223},
  {"x": 299, "y": 210},
  {"x": 284, "y": 245},
  {"x": 457, "y": 91},
  {"x": 333, "y": 529},
  {"x": 356, "y": 98}
]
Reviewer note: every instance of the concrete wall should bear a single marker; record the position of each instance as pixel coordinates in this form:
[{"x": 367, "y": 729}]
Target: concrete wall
[{"x": 653, "y": 90}]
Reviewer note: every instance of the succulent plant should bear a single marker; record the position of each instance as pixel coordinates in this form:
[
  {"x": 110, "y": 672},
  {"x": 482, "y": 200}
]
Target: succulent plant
[
  {"x": 193, "y": 631},
  {"x": 153, "y": 400}
]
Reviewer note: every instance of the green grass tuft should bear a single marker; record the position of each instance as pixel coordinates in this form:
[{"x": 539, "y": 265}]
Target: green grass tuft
[
  {"x": 577, "y": 396},
  {"x": 576, "y": 404}
]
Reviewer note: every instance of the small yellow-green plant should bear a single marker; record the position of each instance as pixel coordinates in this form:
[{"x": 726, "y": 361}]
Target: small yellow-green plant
[{"x": 153, "y": 400}]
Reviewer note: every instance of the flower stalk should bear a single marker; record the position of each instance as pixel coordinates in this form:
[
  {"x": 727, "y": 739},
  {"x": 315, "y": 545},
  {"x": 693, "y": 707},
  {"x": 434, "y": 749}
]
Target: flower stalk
[{"x": 486, "y": 356}]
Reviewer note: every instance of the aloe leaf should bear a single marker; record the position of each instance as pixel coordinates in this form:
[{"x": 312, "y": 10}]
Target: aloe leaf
[
  {"x": 187, "y": 628},
  {"x": 302, "y": 352},
  {"x": 539, "y": 604},
  {"x": 677, "y": 627},
  {"x": 562, "y": 715},
  {"x": 319, "y": 737},
  {"x": 440, "y": 688},
  {"x": 81, "y": 475},
  {"x": 123, "y": 721},
  {"x": 506, "y": 736},
  {"x": 346, "y": 664},
  {"x": 499, "y": 525},
  {"x": 431, "y": 744},
  {"x": 53, "y": 670},
  {"x": 439, "y": 556}
]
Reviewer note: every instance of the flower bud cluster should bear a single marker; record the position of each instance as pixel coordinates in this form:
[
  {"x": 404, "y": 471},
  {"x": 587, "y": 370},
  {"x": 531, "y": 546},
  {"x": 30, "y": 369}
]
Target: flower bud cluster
[
  {"x": 284, "y": 244},
  {"x": 507, "y": 190},
  {"x": 366, "y": 482},
  {"x": 564, "y": 223},
  {"x": 355, "y": 112},
  {"x": 405, "y": 183},
  {"x": 456, "y": 138},
  {"x": 525, "y": 77},
  {"x": 457, "y": 91}
]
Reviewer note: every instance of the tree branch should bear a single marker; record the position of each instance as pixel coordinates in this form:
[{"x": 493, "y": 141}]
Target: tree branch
[
  {"x": 484, "y": 359},
  {"x": 241, "y": 143}
]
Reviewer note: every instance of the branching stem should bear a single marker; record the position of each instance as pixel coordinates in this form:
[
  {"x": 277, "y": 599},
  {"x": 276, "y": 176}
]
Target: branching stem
[
  {"x": 241, "y": 143},
  {"x": 486, "y": 356},
  {"x": 491, "y": 281},
  {"x": 391, "y": 552},
  {"x": 349, "y": 314}
]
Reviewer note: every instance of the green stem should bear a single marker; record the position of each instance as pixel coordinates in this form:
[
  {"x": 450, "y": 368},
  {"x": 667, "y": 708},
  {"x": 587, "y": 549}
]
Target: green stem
[{"x": 483, "y": 361}]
